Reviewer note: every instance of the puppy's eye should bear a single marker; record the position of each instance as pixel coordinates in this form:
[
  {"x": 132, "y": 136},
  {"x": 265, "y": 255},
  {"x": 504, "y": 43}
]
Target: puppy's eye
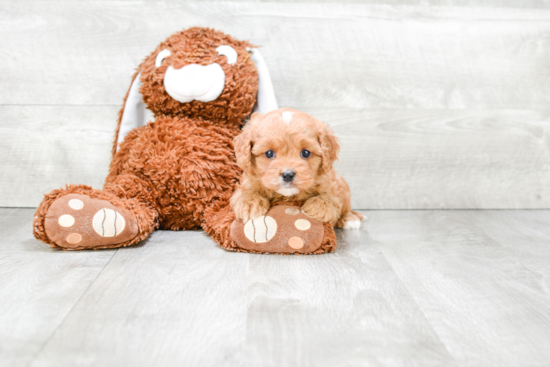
[
  {"x": 228, "y": 52},
  {"x": 270, "y": 154},
  {"x": 161, "y": 56},
  {"x": 305, "y": 154}
]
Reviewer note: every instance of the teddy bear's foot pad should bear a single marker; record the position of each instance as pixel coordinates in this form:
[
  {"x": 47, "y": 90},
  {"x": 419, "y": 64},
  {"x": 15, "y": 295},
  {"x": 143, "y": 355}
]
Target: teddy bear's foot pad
[
  {"x": 284, "y": 229},
  {"x": 77, "y": 221}
]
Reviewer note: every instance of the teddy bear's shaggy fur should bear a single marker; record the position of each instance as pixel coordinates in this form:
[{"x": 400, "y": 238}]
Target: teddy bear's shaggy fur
[
  {"x": 177, "y": 172},
  {"x": 167, "y": 173}
]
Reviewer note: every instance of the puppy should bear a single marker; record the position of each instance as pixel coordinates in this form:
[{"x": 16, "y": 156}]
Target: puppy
[{"x": 288, "y": 153}]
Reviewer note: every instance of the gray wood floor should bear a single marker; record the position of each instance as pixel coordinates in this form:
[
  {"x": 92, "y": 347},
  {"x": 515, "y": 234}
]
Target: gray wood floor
[{"x": 412, "y": 288}]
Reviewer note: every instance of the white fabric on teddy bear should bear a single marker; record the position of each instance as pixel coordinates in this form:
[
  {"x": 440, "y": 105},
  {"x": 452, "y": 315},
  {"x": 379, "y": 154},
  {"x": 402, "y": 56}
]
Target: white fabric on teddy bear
[{"x": 135, "y": 114}]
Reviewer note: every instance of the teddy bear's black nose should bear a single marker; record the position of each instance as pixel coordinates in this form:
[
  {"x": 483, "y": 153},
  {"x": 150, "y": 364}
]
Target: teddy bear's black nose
[{"x": 288, "y": 175}]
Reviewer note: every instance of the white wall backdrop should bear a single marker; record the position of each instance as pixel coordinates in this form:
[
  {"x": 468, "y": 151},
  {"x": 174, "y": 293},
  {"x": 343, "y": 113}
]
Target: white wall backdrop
[{"x": 437, "y": 106}]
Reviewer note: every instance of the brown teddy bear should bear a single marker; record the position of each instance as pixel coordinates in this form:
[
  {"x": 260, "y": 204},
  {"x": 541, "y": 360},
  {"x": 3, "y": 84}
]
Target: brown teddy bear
[{"x": 179, "y": 171}]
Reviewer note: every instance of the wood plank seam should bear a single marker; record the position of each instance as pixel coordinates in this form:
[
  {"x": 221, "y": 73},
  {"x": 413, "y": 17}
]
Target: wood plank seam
[
  {"x": 410, "y": 295},
  {"x": 68, "y": 313}
]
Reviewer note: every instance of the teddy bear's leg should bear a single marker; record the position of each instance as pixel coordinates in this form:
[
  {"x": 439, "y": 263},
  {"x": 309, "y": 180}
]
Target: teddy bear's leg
[
  {"x": 217, "y": 224},
  {"x": 79, "y": 217},
  {"x": 285, "y": 229}
]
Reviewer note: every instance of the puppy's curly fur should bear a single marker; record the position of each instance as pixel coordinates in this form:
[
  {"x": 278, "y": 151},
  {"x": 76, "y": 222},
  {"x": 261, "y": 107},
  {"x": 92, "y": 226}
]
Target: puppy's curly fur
[{"x": 302, "y": 148}]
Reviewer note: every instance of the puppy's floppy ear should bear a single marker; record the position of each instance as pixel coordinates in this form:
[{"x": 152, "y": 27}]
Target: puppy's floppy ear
[
  {"x": 329, "y": 147},
  {"x": 243, "y": 145}
]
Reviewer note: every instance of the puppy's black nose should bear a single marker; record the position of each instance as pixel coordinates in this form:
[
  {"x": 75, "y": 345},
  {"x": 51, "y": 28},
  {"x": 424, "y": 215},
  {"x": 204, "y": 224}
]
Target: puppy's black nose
[{"x": 288, "y": 176}]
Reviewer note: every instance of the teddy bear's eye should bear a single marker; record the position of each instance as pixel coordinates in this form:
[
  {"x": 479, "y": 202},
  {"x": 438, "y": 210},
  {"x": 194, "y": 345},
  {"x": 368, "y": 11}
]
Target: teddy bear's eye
[
  {"x": 270, "y": 154},
  {"x": 161, "y": 56},
  {"x": 228, "y": 52}
]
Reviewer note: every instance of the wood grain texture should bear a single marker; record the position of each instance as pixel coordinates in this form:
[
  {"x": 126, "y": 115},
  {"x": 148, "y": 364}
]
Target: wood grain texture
[
  {"x": 178, "y": 299},
  {"x": 488, "y": 305},
  {"x": 397, "y": 159},
  {"x": 529, "y": 245},
  {"x": 38, "y": 286},
  {"x": 344, "y": 309},
  {"x": 47, "y": 147},
  {"x": 437, "y": 106},
  {"x": 412, "y": 288},
  {"x": 543, "y": 4},
  {"x": 342, "y": 55},
  {"x": 444, "y": 159}
]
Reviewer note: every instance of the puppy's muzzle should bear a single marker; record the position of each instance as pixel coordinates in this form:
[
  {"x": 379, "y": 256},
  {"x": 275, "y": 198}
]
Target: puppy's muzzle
[{"x": 288, "y": 175}]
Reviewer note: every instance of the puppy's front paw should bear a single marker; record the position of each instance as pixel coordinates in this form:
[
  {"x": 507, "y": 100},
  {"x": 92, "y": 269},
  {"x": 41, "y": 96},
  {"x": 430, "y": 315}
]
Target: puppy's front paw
[
  {"x": 250, "y": 209},
  {"x": 320, "y": 209}
]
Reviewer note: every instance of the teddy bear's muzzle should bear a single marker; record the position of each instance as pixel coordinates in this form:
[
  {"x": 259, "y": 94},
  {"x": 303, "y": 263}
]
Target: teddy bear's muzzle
[{"x": 202, "y": 83}]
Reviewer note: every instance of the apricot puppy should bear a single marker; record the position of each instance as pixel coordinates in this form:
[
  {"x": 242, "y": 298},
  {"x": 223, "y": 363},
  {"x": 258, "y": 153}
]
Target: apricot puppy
[{"x": 288, "y": 153}]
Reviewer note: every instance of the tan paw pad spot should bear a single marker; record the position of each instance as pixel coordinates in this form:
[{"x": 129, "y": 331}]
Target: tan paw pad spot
[
  {"x": 66, "y": 220},
  {"x": 74, "y": 238},
  {"x": 76, "y": 204},
  {"x": 260, "y": 229},
  {"x": 292, "y": 211},
  {"x": 296, "y": 242},
  {"x": 302, "y": 224},
  {"x": 108, "y": 223}
]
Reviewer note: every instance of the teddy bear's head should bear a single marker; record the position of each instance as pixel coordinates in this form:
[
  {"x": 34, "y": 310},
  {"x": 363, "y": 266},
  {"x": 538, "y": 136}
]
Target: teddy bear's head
[
  {"x": 201, "y": 72},
  {"x": 198, "y": 73}
]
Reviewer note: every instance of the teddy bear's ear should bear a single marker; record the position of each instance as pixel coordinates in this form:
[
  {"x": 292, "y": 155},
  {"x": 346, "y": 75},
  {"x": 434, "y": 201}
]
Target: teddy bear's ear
[
  {"x": 265, "y": 100},
  {"x": 133, "y": 113}
]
